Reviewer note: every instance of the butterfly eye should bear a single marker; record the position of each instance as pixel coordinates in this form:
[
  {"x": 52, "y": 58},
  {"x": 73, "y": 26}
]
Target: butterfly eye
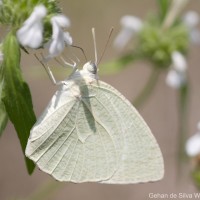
[{"x": 90, "y": 67}]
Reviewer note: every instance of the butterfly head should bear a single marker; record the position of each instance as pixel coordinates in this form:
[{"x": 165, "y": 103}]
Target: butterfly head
[{"x": 90, "y": 68}]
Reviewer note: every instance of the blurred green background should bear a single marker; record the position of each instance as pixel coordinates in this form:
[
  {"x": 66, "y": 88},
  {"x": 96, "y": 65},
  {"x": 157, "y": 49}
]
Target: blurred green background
[{"x": 160, "y": 111}]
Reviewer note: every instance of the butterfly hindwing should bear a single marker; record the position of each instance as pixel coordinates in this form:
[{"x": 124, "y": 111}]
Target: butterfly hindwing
[{"x": 141, "y": 159}]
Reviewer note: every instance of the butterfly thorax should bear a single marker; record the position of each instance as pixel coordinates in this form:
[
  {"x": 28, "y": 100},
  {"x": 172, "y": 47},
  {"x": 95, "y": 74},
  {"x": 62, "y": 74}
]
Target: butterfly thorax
[
  {"x": 89, "y": 71},
  {"x": 80, "y": 78}
]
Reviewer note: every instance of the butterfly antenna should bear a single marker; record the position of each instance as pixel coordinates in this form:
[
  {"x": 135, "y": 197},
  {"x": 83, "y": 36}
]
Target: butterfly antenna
[
  {"x": 95, "y": 45},
  {"x": 43, "y": 64},
  {"x": 81, "y": 51},
  {"x": 107, "y": 42}
]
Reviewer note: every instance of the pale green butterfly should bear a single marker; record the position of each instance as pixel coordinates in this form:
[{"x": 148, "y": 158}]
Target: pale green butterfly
[{"x": 90, "y": 132}]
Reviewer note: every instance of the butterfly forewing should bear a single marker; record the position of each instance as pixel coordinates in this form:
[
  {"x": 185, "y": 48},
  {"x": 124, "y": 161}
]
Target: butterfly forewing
[{"x": 79, "y": 147}]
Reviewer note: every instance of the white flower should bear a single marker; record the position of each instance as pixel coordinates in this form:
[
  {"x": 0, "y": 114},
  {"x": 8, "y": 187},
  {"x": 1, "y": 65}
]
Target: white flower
[
  {"x": 59, "y": 38},
  {"x": 191, "y": 20},
  {"x": 130, "y": 26},
  {"x": 174, "y": 79},
  {"x": 176, "y": 76},
  {"x": 68, "y": 39},
  {"x": 193, "y": 144},
  {"x": 31, "y": 33},
  {"x": 179, "y": 62}
]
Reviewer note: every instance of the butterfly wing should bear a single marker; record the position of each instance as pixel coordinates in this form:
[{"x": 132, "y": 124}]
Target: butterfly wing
[
  {"x": 71, "y": 145},
  {"x": 98, "y": 137},
  {"x": 140, "y": 159}
]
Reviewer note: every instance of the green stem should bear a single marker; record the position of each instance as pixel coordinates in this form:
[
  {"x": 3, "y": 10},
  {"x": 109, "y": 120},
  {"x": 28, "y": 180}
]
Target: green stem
[
  {"x": 148, "y": 88},
  {"x": 173, "y": 12},
  {"x": 183, "y": 121}
]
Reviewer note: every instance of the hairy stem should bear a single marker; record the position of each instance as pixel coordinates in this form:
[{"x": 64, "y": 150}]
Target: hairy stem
[
  {"x": 174, "y": 11},
  {"x": 183, "y": 121}
]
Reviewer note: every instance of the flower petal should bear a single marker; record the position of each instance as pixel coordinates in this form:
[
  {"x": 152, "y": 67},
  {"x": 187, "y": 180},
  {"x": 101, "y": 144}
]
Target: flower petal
[
  {"x": 131, "y": 22},
  {"x": 61, "y": 20},
  {"x": 31, "y": 33},
  {"x": 175, "y": 79},
  {"x": 195, "y": 36},
  {"x": 193, "y": 145},
  {"x": 67, "y": 38},
  {"x": 59, "y": 37},
  {"x": 191, "y": 19},
  {"x": 123, "y": 38},
  {"x": 130, "y": 26},
  {"x": 179, "y": 62},
  {"x": 31, "y": 37},
  {"x": 56, "y": 47}
]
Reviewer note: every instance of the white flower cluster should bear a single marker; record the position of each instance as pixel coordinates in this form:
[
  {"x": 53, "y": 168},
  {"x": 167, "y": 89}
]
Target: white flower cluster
[
  {"x": 191, "y": 20},
  {"x": 176, "y": 76},
  {"x": 31, "y": 33}
]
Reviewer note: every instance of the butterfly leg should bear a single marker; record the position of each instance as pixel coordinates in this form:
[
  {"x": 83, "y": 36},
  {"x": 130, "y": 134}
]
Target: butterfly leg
[
  {"x": 52, "y": 77},
  {"x": 49, "y": 72},
  {"x": 67, "y": 64},
  {"x": 73, "y": 64}
]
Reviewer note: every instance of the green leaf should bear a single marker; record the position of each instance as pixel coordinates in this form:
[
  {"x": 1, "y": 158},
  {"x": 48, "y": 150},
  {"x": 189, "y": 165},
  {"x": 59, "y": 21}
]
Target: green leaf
[
  {"x": 163, "y": 8},
  {"x": 196, "y": 176},
  {"x": 3, "y": 118},
  {"x": 3, "y": 114},
  {"x": 118, "y": 65},
  {"x": 16, "y": 94}
]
